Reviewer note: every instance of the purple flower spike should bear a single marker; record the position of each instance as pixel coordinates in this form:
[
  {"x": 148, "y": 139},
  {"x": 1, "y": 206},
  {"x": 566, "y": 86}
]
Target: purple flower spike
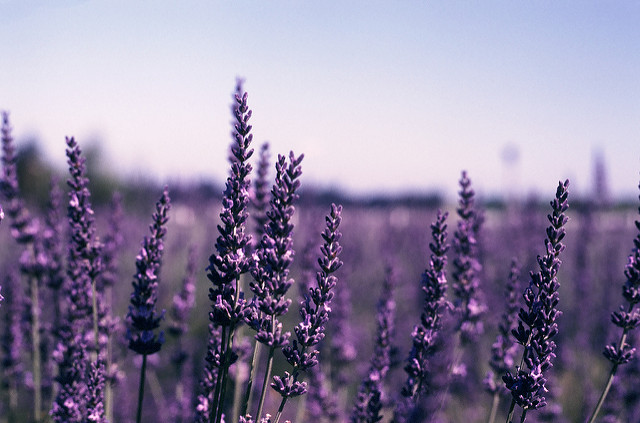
[
  {"x": 314, "y": 314},
  {"x": 260, "y": 195},
  {"x": 96, "y": 385},
  {"x": 22, "y": 225},
  {"x": 12, "y": 338},
  {"x": 503, "y": 349},
  {"x": 370, "y": 395},
  {"x": 232, "y": 258},
  {"x": 142, "y": 318},
  {"x": 626, "y": 318},
  {"x": 467, "y": 267},
  {"x": 83, "y": 264},
  {"x": 425, "y": 334},
  {"x": 275, "y": 255},
  {"x": 537, "y": 324}
]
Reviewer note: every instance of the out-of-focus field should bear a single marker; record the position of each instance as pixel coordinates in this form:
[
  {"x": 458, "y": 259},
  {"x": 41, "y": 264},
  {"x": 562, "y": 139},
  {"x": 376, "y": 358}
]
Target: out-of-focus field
[{"x": 388, "y": 231}]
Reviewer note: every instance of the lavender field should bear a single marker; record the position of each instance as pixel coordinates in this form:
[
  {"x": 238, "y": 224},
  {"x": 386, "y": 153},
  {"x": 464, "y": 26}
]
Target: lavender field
[{"x": 266, "y": 302}]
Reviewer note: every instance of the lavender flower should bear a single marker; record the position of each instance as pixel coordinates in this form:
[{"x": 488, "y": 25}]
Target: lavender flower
[
  {"x": 260, "y": 197},
  {"x": 231, "y": 259},
  {"x": 95, "y": 401},
  {"x": 503, "y": 349},
  {"x": 22, "y": 227},
  {"x": 84, "y": 265},
  {"x": 108, "y": 324},
  {"x": 320, "y": 401},
  {"x": 272, "y": 261},
  {"x": 71, "y": 355},
  {"x": 627, "y": 318},
  {"x": 83, "y": 268},
  {"x": 183, "y": 303},
  {"x": 24, "y": 230},
  {"x": 537, "y": 324},
  {"x": 112, "y": 242},
  {"x": 12, "y": 340},
  {"x": 466, "y": 265},
  {"x": 54, "y": 250},
  {"x": 342, "y": 340},
  {"x": 370, "y": 395},
  {"x": 434, "y": 285},
  {"x": 314, "y": 313},
  {"x": 209, "y": 375},
  {"x": 142, "y": 317}
]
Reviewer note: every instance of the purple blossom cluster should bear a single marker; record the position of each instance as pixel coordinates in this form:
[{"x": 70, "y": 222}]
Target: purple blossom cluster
[
  {"x": 314, "y": 315},
  {"x": 143, "y": 319},
  {"x": 537, "y": 324}
]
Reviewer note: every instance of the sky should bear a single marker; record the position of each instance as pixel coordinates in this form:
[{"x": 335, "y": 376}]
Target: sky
[{"x": 382, "y": 97}]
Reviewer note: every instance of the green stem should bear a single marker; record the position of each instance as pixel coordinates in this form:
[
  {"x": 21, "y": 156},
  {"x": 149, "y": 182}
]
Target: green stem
[
  {"x": 524, "y": 416},
  {"x": 156, "y": 392},
  {"x": 141, "y": 388},
  {"x": 248, "y": 396},
  {"x": 604, "y": 393},
  {"x": 225, "y": 375},
  {"x": 213, "y": 411},
  {"x": 265, "y": 383},
  {"x": 512, "y": 408},
  {"x": 302, "y": 409},
  {"x": 13, "y": 402},
  {"x": 35, "y": 334},
  {"x": 108, "y": 387},
  {"x": 494, "y": 407},
  {"x": 612, "y": 374},
  {"x": 237, "y": 390},
  {"x": 279, "y": 413}
]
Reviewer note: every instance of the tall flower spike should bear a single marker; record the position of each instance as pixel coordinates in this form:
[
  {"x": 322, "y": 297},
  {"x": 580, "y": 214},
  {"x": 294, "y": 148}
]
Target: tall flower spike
[
  {"x": 83, "y": 266},
  {"x": 537, "y": 323},
  {"x": 503, "y": 349},
  {"x": 183, "y": 302},
  {"x": 314, "y": 314},
  {"x": 627, "y": 318},
  {"x": 273, "y": 259},
  {"x": 95, "y": 401},
  {"x": 260, "y": 195},
  {"x": 371, "y": 393},
  {"x": 22, "y": 226},
  {"x": 24, "y": 230},
  {"x": 467, "y": 266},
  {"x": 142, "y": 318},
  {"x": 231, "y": 258},
  {"x": 11, "y": 341},
  {"x": 425, "y": 333}
]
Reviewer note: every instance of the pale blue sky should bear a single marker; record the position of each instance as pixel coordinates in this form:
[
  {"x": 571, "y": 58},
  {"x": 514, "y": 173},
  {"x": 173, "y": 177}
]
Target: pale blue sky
[{"x": 392, "y": 96}]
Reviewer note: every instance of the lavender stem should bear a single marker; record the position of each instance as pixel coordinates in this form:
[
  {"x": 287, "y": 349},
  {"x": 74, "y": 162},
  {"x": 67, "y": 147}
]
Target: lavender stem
[
  {"x": 248, "y": 396},
  {"x": 35, "y": 334},
  {"x": 494, "y": 407},
  {"x": 265, "y": 384},
  {"x": 612, "y": 375},
  {"x": 143, "y": 369}
]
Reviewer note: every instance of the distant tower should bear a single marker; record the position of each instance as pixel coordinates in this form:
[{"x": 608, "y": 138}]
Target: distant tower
[
  {"x": 511, "y": 159},
  {"x": 601, "y": 196}
]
